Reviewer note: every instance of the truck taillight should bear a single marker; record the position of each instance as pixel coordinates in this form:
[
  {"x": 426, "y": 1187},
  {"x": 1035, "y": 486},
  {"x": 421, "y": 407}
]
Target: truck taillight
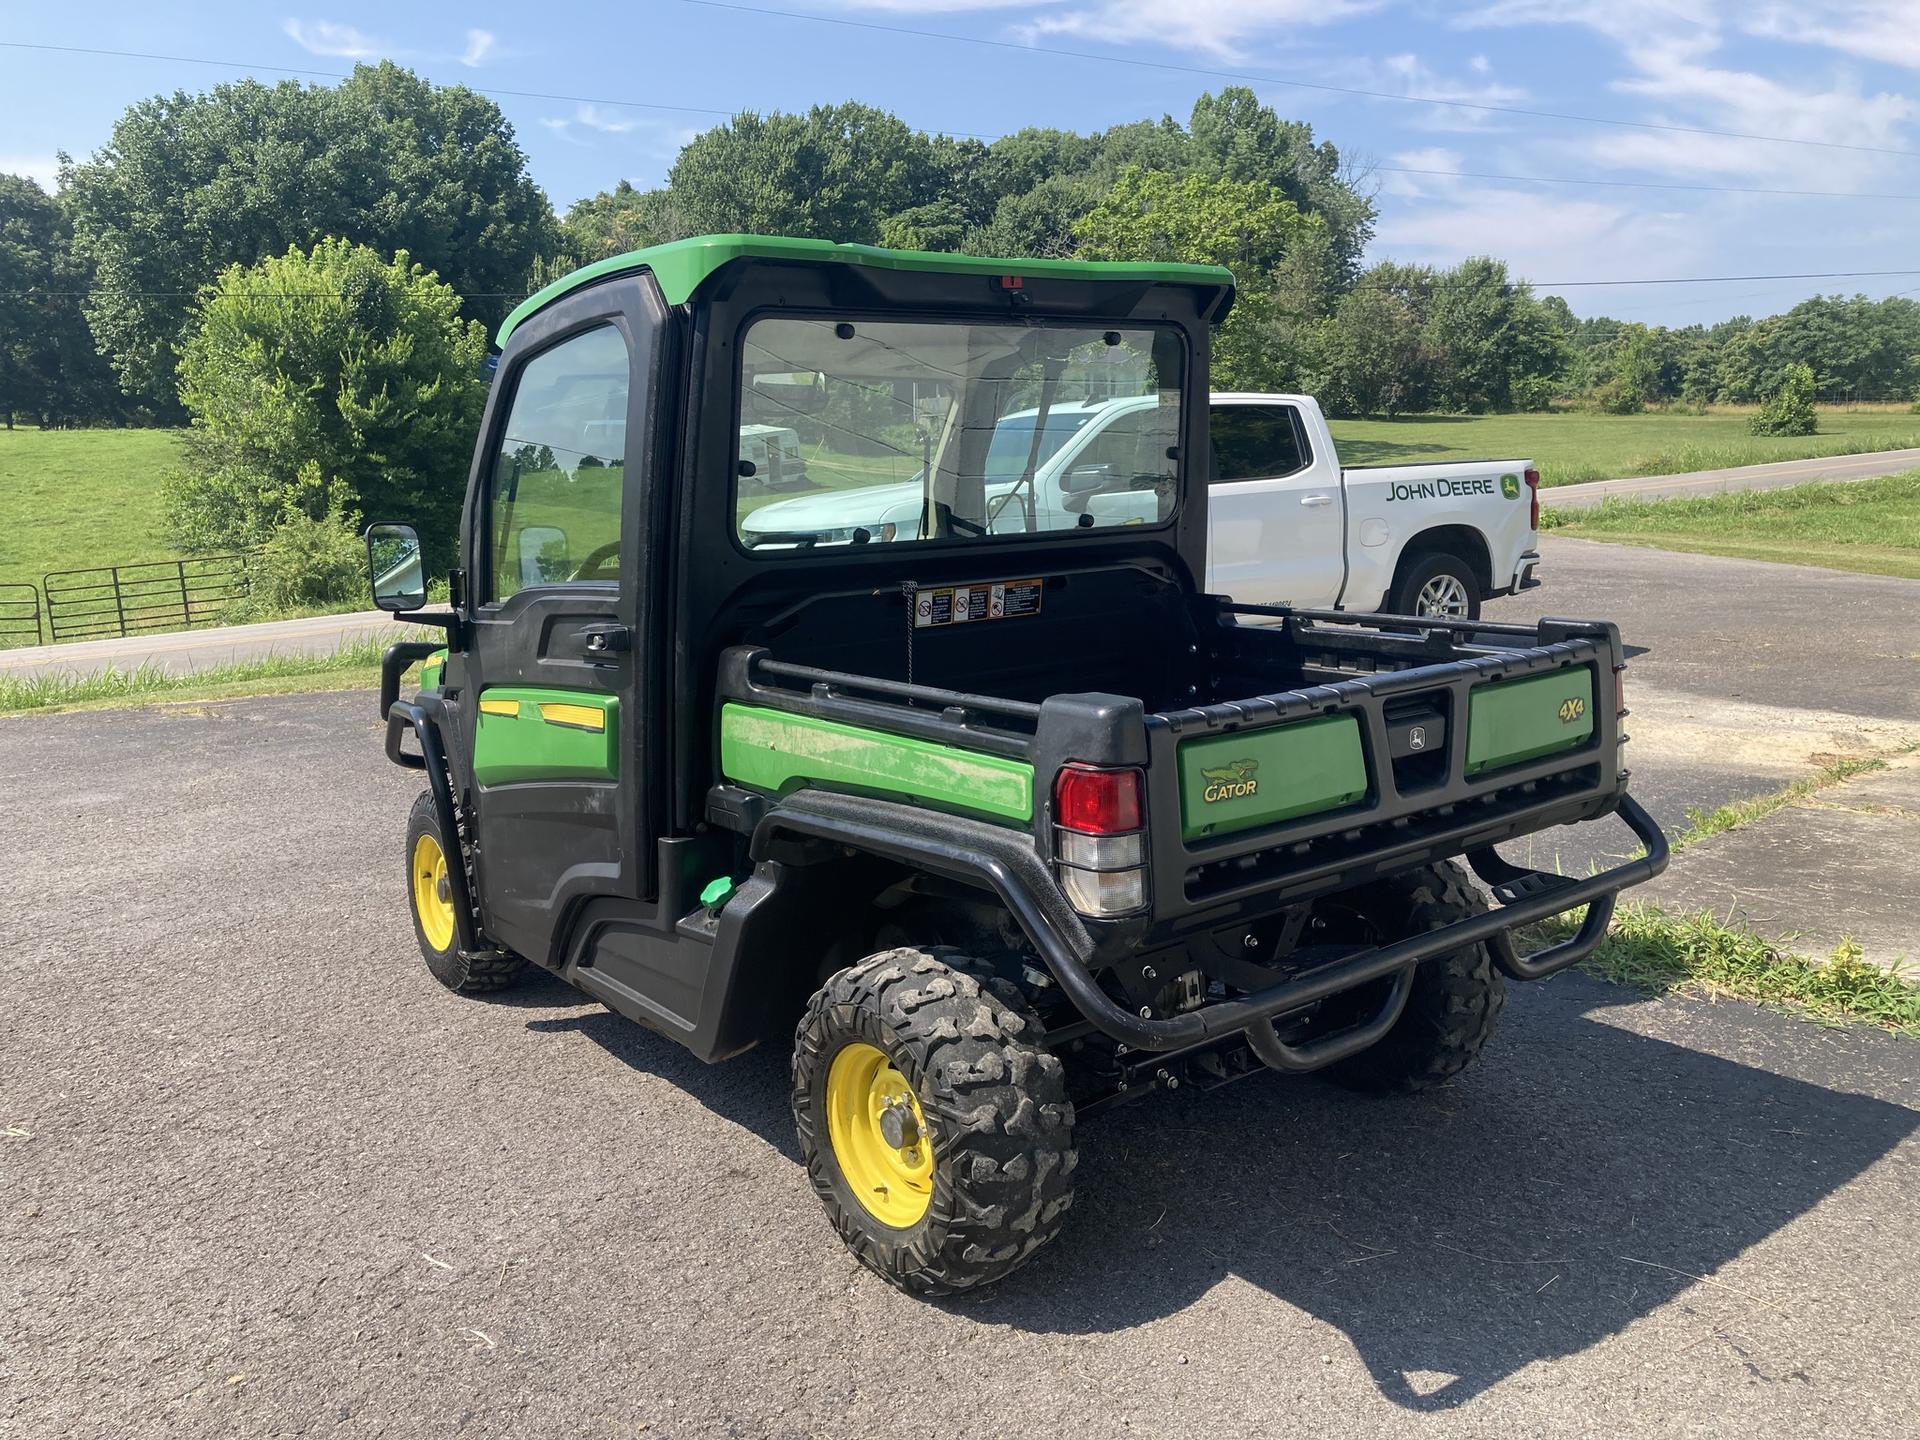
[
  {"x": 1620, "y": 690},
  {"x": 1533, "y": 499},
  {"x": 1100, "y": 842}
]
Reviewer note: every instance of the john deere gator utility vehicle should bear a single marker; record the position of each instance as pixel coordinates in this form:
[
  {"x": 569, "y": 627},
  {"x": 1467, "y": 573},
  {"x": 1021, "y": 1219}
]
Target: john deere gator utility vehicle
[{"x": 1011, "y": 819}]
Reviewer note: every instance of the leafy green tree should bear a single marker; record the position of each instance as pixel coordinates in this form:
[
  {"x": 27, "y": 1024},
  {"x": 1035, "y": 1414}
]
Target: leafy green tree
[
  {"x": 1789, "y": 410},
  {"x": 190, "y": 184},
  {"x": 618, "y": 220},
  {"x": 49, "y": 369},
  {"x": 1246, "y": 226},
  {"x": 834, "y": 173},
  {"x": 1633, "y": 372},
  {"x": 1487, "y": 333},
  {"x": 329, "y": 381}
]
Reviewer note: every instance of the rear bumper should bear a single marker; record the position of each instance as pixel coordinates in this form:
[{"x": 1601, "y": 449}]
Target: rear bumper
[{"x": 1008, "y": 864}]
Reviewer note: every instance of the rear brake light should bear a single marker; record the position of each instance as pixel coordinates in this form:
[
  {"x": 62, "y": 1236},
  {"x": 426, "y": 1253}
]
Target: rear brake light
[
  {"x": 1533, "y": 499},
  {"x": 1099, "y": 840},
  {"x": 1097, "y": 802},
  {"x": 1620, "y": 690}
]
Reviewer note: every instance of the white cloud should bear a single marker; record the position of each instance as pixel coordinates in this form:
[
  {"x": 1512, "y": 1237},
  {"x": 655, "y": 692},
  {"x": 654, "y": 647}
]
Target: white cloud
[
  {"x": 1884, "y": 30},
  {"x": 480, "y": 47},
  {"x": 324, "y": 37},
  {"x": 1223, "y": 29},
  {"x": 596, "y": 118},
  {"x": 44, "y": 169}
]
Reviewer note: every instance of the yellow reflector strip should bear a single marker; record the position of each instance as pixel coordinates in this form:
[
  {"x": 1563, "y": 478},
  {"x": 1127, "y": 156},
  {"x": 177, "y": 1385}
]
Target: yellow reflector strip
[
  {"x": 500, "y": 707},
  {"x": 579, "y": 717}
]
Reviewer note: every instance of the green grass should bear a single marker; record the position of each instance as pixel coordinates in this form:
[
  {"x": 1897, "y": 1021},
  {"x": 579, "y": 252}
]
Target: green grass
[
  {"x": 74, "y": 498},
  {"x": 1575, "y": 446},
  {"x": 1704, "y": 823},
  {"x": 353, "y": 665},
  {"x": 1658, "y": 954},
  {"x": 1870, "y": 526}
]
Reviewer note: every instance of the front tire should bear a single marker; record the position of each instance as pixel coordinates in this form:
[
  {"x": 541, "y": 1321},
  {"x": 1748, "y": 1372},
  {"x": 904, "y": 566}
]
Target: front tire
[
  {"x": 1456, "y": 997},
  {"x": 1440, "y": 586},
  {"x": 430, "y": 899},
  {"x": 936, "y": 1128}
]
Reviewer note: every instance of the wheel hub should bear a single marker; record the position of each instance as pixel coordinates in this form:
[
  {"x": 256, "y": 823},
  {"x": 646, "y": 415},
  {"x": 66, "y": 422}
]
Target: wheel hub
[{"x": 879, "y": 1135}]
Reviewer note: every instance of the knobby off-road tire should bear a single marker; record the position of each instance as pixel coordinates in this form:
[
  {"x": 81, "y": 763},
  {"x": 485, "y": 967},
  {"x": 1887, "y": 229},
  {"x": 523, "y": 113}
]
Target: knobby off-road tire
[
  {"x": 1456, "y": 997},
  {"x": 431, "y": 906},
  {"x": 998, "y": 1181}
]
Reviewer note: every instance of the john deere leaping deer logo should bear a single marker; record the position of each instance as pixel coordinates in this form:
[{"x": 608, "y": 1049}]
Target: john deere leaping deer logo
[
  {"x": 1231, "y": 781},
  {"x": 1572, "y": 709}
]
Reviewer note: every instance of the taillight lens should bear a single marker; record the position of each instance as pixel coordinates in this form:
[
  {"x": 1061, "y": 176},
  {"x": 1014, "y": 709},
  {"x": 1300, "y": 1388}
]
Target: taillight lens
[
  {"x": 1620, "y": 691},
  {"x": 1533, "y": 499},
  {"x": 1099, "y": 839},
  {"x": 1097, "y": 802}
]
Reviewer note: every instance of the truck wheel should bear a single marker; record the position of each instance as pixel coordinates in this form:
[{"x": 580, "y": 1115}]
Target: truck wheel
[
  {"x": 1440, "y": 585},
  {"x": 1456, "y": 997},
  {"x": 431, "y": 900},
  {"x": 936, "y": 1129}
]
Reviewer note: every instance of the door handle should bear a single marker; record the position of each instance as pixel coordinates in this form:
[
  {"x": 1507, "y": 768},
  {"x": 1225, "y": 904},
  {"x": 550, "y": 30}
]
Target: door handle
[
  {"x": 1316, "y": 500},
  {"x": 608, "y": 639}
]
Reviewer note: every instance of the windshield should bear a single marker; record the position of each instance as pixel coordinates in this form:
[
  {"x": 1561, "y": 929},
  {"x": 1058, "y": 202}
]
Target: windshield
[{"x": 924, "y": 430}]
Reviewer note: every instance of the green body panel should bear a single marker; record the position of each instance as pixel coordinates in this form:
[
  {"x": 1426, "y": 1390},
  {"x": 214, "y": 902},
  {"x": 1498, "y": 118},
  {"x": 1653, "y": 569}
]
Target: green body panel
[
  {"x": 1518, "y": 720},
  {"x": 1260, "y": 777},
  {"x": 680, "y": 268},
  {"x": 509, "y": 749},
  {"x": 777, "y": 751},
  {"x": 432, "y": 670}
]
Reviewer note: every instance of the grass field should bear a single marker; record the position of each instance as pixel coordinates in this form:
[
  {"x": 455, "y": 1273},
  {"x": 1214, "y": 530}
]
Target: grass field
[
  {"x": 1573, "y": 447},
  {"x": 71, "y": 498},
  {"x": 1872, "y": 526}
]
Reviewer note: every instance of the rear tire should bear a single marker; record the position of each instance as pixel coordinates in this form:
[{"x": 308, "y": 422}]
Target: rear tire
[
  {"x": 430, "y": 901},
  {"x": 936, "y": 1129},
  {"x": 1456, "y": 997},
  {"x": 1439, "y": 584}
]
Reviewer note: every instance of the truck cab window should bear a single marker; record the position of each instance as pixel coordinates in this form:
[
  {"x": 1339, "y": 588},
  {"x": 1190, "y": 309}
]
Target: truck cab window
[
  {"x": 554, "y": 491},
  {"x": 1257, "y": 442}
]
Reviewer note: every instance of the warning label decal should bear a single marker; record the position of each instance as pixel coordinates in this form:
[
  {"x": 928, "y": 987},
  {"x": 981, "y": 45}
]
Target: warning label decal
[{"x": 985, "y": 600}]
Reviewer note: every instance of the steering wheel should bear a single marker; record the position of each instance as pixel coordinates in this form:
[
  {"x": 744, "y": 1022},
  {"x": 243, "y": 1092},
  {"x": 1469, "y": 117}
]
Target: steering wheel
[{"x": 594, "y": 566}]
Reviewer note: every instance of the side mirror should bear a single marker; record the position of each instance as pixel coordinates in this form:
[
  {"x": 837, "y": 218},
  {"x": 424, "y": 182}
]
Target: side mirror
[
  {"x": 1085, "y": 479},
  {"x": 393, "y": 566}
]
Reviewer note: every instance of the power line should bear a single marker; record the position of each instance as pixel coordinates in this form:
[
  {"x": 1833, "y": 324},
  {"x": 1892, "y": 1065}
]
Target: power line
[
  {"x": 980, "y": 135},
  {"x": 1722, "y": 279},
  {"x": 1292, "y": 84},
  {"x": 1640, "y": 184},
  {"x": 348, "y": 75}
]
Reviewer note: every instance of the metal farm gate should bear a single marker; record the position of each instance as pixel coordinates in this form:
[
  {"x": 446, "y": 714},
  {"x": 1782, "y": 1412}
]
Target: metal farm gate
[
  {"x": 20, "y": 616},
  {"x": 129, "y": 599}
]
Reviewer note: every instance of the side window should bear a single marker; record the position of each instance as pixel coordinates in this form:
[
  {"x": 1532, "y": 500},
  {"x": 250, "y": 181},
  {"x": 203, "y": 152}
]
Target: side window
[
  {"x": 1257, "y": 442},
  {"x": 553, "y": 497}
]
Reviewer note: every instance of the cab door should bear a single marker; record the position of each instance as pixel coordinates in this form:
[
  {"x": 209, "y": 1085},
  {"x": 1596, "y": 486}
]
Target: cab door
[
  {"x": 1276, "y": 525},
  {"x": 556, "y": 666}
]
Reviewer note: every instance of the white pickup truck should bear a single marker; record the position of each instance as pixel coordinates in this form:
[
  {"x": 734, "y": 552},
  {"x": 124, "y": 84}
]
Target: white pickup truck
[{"x": 1287, "y": 523}]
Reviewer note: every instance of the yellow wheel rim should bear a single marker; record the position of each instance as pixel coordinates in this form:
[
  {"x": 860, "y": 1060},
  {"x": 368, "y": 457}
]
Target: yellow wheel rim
[
  {"x": 879, "y": 1135},
  {"x": 432, "y": 895}
]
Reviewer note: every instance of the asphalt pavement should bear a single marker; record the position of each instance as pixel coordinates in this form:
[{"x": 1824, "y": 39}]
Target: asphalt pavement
[
  {"x": 1742, "y": 676},
  {"x": 178, "y": 652},
  {"x": 1771, "y": 476},
  {"x": 261, "y": 1176}
]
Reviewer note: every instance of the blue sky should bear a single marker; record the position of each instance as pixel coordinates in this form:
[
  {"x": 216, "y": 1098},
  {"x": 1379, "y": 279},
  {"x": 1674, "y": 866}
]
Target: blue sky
[{"x": 1841, "y": 72}]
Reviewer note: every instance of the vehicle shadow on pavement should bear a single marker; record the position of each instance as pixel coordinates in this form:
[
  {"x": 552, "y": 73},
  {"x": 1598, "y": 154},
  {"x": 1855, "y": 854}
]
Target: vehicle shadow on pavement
[
  {"x": 1580, "y": 1179},
  {"x": 1576, "y": 1181}
]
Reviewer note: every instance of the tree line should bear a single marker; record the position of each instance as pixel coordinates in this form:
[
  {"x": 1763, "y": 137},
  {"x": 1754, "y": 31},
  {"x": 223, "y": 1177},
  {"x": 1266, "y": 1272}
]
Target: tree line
[{"x": 308, "y": 274}]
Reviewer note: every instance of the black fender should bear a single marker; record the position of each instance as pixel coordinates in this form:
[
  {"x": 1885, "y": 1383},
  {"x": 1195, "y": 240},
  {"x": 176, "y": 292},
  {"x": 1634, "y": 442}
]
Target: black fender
[{"x": 422, "y": 718}]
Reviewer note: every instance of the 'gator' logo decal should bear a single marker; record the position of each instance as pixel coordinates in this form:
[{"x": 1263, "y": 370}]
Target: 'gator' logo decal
[
  {"x": 1572, "y": 710},
  {"x": 1232, "y": 781},
  {"x": 1510, "y": 486}
]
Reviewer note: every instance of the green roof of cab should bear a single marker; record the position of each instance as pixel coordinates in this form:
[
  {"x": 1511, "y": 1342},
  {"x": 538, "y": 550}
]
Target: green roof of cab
[{"x": 682, "y": 267}]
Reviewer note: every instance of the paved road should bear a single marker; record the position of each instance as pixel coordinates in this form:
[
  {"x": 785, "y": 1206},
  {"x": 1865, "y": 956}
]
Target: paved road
[
  {"x": 1743, "y": 675},
  {"x": 1741, "y": 477},
  {"x": 262, "y": 1176},
  {"x": 198, "y": 649}
]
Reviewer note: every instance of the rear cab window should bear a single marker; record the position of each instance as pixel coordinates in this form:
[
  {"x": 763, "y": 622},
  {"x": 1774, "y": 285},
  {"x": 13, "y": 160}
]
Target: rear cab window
[{"x": 1257, "y": 442}]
